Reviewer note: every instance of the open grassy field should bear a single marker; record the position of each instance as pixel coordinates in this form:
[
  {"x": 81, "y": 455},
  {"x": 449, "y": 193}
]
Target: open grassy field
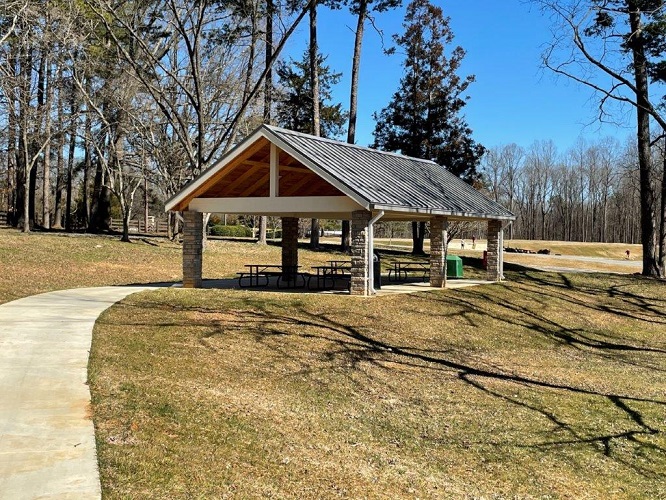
[
  {"x": 547, "y": 385},
  {"x": 563, "y": 254},
  {"x": 574, "y": 248},
  {"x": 42, "y": 262},
  {"x": 577, "y": 248}
]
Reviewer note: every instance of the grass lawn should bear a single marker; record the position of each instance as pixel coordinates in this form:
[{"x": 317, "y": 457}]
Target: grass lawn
[
  {"x": 575, "y": 248},
  {"x": 42, "y": 262},
  {"x": 548, "y": 386}
]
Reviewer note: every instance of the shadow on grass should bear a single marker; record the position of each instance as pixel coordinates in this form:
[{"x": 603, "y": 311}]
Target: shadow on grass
[{"x": 523, "y": 303}]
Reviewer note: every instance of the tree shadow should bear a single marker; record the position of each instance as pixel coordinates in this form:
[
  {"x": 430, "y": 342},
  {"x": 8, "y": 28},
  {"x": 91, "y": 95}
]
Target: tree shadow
[{"x": 350, "y": 349}]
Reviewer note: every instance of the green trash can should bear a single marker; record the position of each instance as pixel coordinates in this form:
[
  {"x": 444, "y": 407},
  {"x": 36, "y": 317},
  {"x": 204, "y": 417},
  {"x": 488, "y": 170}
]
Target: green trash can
[{"x": 454, "y": 266}]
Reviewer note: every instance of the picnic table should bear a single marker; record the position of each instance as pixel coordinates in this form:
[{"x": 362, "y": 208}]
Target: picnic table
[
  {"x": 335, "y": 270},
  {"x": 260, "y": 274},
  {"x": 342, "y": 265},
  {"x": 403, "y": 268}
]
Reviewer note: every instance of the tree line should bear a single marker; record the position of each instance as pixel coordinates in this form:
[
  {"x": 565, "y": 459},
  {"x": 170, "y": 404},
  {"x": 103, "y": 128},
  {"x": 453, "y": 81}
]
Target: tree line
[
  {"x": 112, "y": 105},
  {"x": 589, "y": 193},
  {"x": 109, "y": 105},
  {"x": 105, "y": 101},
  {"x": 617, "y": 48}
]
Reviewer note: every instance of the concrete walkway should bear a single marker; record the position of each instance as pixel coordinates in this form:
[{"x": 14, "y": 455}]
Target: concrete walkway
[{"x": 47, "y": 440}]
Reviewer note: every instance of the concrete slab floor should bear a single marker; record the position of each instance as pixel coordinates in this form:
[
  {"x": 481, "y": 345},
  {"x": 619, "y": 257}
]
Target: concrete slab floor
[
  {"x": 47, "y": 440},
  {"x": 387, "y": 289}
]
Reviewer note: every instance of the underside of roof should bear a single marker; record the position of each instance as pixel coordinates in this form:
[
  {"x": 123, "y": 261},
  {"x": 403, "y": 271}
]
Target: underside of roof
[{"x": 329, "y": 179}]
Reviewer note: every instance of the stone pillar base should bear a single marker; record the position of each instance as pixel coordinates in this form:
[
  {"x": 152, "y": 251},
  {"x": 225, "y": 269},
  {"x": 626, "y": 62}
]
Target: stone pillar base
[
  {"x": 494, "y": 260},
  {"x": 192, "y": 249},
  {"x": 438, "y": 227},
  {"x": 360, "y": 283}
]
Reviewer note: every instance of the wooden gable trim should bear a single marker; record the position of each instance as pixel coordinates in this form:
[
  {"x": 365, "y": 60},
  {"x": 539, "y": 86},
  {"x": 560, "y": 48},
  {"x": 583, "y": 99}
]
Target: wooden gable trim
[{"x": 241, "y": 157}]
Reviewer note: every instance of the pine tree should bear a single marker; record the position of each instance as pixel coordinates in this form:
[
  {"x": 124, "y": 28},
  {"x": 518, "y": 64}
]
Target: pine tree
[
  {"x": 294, "y": 104},
  {"x": 423, "y": 118}
]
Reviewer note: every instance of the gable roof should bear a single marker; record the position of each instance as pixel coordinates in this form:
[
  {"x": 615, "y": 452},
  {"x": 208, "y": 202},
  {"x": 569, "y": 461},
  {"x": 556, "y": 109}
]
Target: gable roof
[{"x": 377, "y": 180}]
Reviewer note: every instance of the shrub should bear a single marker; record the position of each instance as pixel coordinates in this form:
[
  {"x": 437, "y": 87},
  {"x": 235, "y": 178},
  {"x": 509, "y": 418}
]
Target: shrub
[{"x": 233, "y": 231}]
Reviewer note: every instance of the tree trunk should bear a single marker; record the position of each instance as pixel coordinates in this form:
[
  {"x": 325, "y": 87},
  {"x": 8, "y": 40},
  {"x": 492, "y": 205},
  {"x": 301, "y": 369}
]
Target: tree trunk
[
  {"x": 24, "y": 136},
  {"x": 22, "y": 184},
  {"x": 127, "y": 214},
  {"x": 11, "y": 172},
  {"x": 12, "y": 186},
  {"x": 73, "y": 110},
  {"x": 57, "y": 202},
  {"x": 46, "y": 185},
  {"x": 145, "y": 201},
  {"x": 314, "y": 85},
  {"x": 26, "y": 201},
  {"x": 356, "y": 65},
  {"x": 268, "y": 84},
  {"x": 345, "y": 239},
  {"x": 87, "y": 167},
  {"x": 314, "y": 234},
  {"x": 418, "y": 236},
  {"x": 32, "y": 198},
  {"x": 70, "y": 173},
  {"x": 46, "y": 188},
  {"x": 268, "y": 95},
  {"x": 662, "y": 223},
  {"x": 60, "y": 151},
  {"x": 262, "y": 230},
  {"x": 100, "y": 209},
  {"x": 314, "y": 71},
  {"x": 648, "y": 236},
  {"x": 170, "y": 218}
]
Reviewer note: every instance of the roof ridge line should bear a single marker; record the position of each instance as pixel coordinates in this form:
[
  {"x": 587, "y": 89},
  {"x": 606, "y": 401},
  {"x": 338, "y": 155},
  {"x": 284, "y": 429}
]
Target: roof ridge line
[{"x": 273, "y": 128}]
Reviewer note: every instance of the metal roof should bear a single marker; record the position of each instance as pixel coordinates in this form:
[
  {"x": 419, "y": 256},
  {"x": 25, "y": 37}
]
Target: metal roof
[
  {"x": 377, "y": 180},
  {"x": 389, "y": 181}
]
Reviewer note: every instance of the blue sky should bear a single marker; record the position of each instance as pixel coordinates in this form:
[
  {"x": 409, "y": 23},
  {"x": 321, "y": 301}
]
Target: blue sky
[{"x": 513, "y": 99}]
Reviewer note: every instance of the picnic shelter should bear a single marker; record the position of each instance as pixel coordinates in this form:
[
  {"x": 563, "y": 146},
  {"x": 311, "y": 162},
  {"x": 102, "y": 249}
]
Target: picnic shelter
[{"x": 279, "y": 172}]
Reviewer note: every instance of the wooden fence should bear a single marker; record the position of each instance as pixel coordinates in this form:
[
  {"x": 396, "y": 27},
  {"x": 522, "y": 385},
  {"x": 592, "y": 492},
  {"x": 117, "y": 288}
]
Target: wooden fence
[{"x": 155, "y": 226}]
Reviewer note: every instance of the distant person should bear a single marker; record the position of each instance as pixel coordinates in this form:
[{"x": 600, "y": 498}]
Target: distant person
[
  {"x": 473, "y": 242},
  {"x": 462, "y": 244},
  {"x": 628, "y": 252}
]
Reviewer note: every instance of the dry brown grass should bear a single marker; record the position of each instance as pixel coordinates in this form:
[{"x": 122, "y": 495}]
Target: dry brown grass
[
  {"x": 553, "y": 262},
  {"x": 38, "y": 262},
  {"x": 42, "y": 262},
  {"x": 548, "y": 386},
  {"x": 604, "y": 250}
]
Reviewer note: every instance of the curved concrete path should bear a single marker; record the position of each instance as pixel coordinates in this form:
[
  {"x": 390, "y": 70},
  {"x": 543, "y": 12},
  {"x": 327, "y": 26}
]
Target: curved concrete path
[{"x": 47, "y": 439}]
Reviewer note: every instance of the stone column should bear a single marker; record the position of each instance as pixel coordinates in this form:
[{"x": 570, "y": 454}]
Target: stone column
[
  {"x": 494, "y": 260},
  {"x": 289, "y": 247},
  {"x": 192, "y": 248},
  {"x": 438, "y": 228},
  {"x": 359, "y": 247}
]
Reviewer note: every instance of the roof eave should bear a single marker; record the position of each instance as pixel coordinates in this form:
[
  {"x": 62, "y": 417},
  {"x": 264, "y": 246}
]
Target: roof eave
[{"x": 446, "y": 213}]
